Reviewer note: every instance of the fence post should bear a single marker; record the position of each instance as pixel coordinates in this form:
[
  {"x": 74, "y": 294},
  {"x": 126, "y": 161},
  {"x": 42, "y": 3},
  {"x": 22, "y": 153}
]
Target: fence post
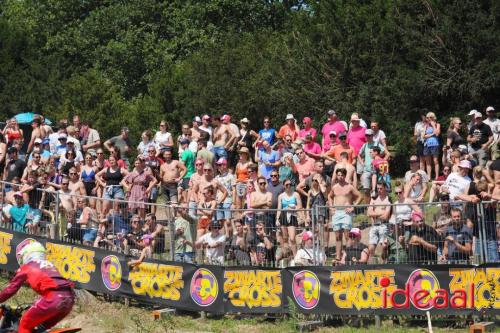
[
  {"x": 483, "y": 248},
  {"x": 55, "y": 227},
  {"x": 315, "y": 248},
  {"x": 171, "y": 230}
]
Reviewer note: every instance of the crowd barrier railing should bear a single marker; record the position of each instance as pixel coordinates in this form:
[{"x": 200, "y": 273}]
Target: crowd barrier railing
[{"x": 262, "y": 237}]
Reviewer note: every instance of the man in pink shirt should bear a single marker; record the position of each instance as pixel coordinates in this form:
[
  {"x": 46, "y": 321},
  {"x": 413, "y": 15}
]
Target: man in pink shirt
[
  {"x": 307, "y": 122},
  {"x": 305, "y": 166},
  {"x": 356, "y": 135},
  {"x": 312, "y": 149},
  {"x": 333, "y": 124}
]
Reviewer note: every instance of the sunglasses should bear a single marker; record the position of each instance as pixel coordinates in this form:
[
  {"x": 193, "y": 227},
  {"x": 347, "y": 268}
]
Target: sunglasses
[
  {"x": 64, "y": 183},
  {"x": 260, "y": 228},
  {"x": 399, "y": 192},
  {"x": 262, "y": 183},
  {"x": 207, "y": 170},
  {"x": 274, "y": 176},
  {"x": 72, "y": 173},
  {"x": 199, "y": 164},
  {"x": 288, "y": 185},
  {"x": 100, "y": 153}
]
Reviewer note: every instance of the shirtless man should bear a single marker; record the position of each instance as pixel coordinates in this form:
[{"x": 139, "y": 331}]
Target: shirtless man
[
  {"x": 208, "y": 179},
  {"x": 379, "y": 211},
  {"x": 195, "y": 131},
  {"x": 261, "y": 198},
  {"x": 66, "y": 202},
  {"x": 195, "y": 179},
  {"x": 76, "y": 186},
  {"x": 344, "y": 195},
  {"x": 37, "y": 133},
  {"x": 171, "y": 174},
  {"x": 222, "y": 138},
  {"x": 351, "y": 176}
]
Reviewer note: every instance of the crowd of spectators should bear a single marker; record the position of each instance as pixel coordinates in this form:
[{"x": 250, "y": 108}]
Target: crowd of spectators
[{"x": 253, "y": 194}]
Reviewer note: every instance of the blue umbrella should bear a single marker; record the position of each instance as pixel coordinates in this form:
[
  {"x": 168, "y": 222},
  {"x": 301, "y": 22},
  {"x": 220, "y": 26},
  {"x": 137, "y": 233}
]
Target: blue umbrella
[{"x": 27, "y": 118}]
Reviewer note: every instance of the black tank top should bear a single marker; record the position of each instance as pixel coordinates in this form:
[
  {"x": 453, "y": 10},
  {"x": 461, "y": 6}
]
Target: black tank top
[
  {"x": 354, "y": 252},
  {"x": 113, "y": 178}
]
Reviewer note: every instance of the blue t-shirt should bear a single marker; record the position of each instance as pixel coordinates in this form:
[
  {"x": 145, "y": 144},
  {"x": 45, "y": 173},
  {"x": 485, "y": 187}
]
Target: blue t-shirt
[
  {"x": 18, "y": 215},
  {"x": 268, "y": 134},
  {"x": 272, "y": 157}
]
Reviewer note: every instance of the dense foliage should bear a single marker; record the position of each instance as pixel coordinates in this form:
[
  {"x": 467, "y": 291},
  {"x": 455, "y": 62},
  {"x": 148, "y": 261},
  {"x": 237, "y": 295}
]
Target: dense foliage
[{"x": 137, "y": 61}]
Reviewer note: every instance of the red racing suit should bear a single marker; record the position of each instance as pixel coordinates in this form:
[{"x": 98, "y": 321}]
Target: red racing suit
[{"x": 57, "y": 297}]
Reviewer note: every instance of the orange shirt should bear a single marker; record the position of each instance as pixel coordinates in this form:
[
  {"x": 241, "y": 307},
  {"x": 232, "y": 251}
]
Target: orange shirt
[
  {"x": 287, "y": 130},
  {"x": 338, "y": 149}
]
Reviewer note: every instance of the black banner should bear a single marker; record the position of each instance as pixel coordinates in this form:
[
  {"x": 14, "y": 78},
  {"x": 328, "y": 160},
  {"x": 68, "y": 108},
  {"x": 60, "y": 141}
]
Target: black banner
[{"x": 384, "y": 289}]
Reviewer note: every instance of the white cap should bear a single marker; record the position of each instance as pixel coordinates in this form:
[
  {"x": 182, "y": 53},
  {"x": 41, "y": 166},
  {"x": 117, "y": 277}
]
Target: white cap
[
  {"x": 38, "y": 140},
  {"x": 478, "y": 115},
  {"x": 289, "y": 116},
  {"x": 472, "y": 112},
  {"x": 465, "y": 164},
  {"x": 490, "y": 108}
]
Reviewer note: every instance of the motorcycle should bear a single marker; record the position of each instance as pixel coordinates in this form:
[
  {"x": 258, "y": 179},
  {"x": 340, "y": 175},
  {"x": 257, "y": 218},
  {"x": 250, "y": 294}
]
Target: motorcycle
[{"x": 11, "y": 315}]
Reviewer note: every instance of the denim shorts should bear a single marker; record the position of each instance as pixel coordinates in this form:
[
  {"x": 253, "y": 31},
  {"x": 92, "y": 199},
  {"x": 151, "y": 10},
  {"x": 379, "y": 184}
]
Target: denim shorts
[
  {"x": 431, "y": 151},
  {"x": 113, "y": 192},
  {"x": 90, "y": 235},
  {"x": 224, "y": 211},
  {"x": 219, "y": 152}
]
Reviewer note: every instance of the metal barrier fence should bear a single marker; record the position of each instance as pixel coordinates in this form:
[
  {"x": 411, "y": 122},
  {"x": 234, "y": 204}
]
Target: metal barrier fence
[{"x": 446, "y": 232}]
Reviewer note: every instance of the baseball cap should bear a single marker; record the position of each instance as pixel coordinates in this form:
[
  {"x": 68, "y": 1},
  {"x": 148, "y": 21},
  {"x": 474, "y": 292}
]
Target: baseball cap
[
  {"x": 18, "y": 194},
  {"x": 478, "y": 115},
  {"x": 464, "y": 164},
  {"x": 355, "y": 231},
  {"x": 413, "y": 158},
  {"x": 463, "y": 149},
  {"x": 184, "y": 141},
  {"x": 342, "y": 135},
  {"x": 307, "y": 235},
  {"x": 490, "y": 108},
  {"x": 225, "y": 117},
  {"x": 12, "y": 150},
  {"x": 354, "y": 117},
  {"x": 38, "y": 140},
  {"x": 332, "y": 112},
  {"x": 197, "y": 119},
  {"x": 214, "y": 224},
  {"x": 289, "y": 116},
  {"x": 46, "y": 141},
  {"x": 62, "y": 136},
  {"x": 245, "y": 120},
  {"x": 307, "y": 120},
  {"x": 332, "y": 133},
  {"x": 472, "y": 112},
  {"x": 369, "y": 131},
  {"x": 221, "y": 161},
  {"x": 416, "y": 216}
]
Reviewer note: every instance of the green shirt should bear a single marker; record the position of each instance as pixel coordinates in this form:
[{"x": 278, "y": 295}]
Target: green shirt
[{"x": 188, "y": 158}]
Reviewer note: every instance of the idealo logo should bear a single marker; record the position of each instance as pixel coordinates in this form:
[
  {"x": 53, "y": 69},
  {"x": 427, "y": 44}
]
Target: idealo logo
[{"x": 423, "y": 291}]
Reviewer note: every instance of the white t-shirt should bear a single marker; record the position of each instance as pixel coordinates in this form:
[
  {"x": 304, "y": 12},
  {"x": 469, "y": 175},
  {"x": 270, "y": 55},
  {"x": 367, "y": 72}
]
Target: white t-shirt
[
  {"x": 457, "y": 184},
  {"x": 161, "y": 139},
  {"x": 494, "y": 124},
  {"x": 214, "y": 255},
  {"x": 379, "y": 136},
  {"x": 307, "y": 256}
]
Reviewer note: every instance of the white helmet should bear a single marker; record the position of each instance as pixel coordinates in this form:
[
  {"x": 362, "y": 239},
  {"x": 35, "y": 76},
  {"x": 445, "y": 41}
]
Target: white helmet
[{"x": 30, "y": 252}]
